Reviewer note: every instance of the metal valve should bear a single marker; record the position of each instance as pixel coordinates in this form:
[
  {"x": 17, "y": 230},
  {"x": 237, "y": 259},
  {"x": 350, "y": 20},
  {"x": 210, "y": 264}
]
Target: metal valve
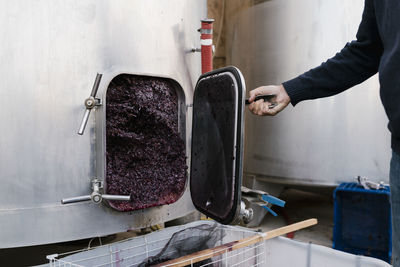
[
  {"x": 95, "y": 196},
  {"x": 245, "y": 214},
  {"x": 90, "y": 103}
]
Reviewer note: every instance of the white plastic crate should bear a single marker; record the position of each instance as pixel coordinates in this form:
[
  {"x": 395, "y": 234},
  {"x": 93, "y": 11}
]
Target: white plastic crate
[{"x": 277, "y": 252}]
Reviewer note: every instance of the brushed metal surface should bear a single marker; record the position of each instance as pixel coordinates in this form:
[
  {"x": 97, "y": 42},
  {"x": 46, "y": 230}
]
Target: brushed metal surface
[
  {"x": 320, "y": 142},
  {"x": 50, "y": 54}
]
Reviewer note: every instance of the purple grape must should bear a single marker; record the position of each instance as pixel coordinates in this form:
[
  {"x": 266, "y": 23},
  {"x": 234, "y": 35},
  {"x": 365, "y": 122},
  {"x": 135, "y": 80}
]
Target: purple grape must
[{"x": 145, "y": 152}]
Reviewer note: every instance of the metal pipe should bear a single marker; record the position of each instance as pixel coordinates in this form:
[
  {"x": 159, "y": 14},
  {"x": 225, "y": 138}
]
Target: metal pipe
[
  {"x": 84, "y": 122},
  {"x": 116, "y": 197},
  {"x": 96, "y": 85},
  {"x": 75, "y": 199}
]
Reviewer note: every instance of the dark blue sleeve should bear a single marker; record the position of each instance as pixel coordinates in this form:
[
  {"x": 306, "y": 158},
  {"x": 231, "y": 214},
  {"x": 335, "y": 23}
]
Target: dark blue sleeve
[{"x": 357, "y": 61}]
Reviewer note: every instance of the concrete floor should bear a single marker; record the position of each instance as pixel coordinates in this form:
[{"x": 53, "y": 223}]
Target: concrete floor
[{"x": 300, "y": 205}]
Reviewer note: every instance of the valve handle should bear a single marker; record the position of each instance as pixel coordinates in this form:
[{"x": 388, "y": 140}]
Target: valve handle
[
  {"x": 96, "y": 85},
  {"x": 75, "y": 199},
  {"x": 95, "y": 196},
  {"x": 90, "y": 103}
]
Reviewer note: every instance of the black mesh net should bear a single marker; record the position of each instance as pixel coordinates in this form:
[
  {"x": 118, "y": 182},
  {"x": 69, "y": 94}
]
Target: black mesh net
[{"x": 188, "y": 241}]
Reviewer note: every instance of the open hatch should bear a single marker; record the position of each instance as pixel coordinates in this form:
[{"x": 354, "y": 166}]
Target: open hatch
[
  {"x": 216, "y": 148},
  {"x": 217, "y": 144}
]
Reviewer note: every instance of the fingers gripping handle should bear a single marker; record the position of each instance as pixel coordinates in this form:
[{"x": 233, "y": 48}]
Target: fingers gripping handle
[
  {"x": 265, "y": 98},
  {"x": 90, "y": 103}
]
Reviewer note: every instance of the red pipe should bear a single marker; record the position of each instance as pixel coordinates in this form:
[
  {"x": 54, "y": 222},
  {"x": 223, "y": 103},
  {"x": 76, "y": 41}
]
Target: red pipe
[{"x": 206, "y": 31}]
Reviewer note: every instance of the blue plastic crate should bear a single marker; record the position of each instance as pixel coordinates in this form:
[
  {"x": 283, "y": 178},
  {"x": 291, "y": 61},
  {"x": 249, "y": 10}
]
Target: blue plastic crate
[{"x": 362, "y": 221}]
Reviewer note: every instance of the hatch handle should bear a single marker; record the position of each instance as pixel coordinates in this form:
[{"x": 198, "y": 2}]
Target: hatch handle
[
  {"x": 265, "y": 98},
  {"x": 96, "y": 197},
  {"x": 90, "y": 103}
]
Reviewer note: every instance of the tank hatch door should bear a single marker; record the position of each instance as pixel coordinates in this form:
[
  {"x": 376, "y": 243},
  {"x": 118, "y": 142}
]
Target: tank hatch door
[{"x": 217, "y": 144}]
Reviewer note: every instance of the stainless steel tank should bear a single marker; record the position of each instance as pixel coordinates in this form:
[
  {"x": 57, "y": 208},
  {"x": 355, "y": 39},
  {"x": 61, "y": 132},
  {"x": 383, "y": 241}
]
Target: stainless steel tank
[
  {"x": 321, "y": 142},
  {"x": 50, "y": 54}
]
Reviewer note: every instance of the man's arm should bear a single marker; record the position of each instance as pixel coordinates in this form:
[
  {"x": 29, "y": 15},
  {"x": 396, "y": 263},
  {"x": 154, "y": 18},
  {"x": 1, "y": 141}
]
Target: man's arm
[{"x": 357, "y": 61}]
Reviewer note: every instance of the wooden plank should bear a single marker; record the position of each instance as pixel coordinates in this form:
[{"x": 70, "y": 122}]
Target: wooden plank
[{"x": 231, "y": 246}]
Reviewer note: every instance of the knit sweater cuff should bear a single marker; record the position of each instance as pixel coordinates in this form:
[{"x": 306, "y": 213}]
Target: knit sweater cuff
[{"x": 296, "y": 90}]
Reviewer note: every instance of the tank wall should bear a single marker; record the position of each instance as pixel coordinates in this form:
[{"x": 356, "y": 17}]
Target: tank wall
[{"x": 50, "y": 57}]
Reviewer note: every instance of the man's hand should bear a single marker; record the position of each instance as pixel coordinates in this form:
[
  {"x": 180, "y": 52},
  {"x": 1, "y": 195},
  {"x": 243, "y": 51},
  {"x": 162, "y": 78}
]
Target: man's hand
[{"x": 262, "y": 108}]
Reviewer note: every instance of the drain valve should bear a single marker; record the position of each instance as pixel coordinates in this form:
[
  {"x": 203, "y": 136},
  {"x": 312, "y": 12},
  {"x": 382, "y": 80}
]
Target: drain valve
[
  {"x": 245, "y": 214},
  {"x": 95, "y": 196}
]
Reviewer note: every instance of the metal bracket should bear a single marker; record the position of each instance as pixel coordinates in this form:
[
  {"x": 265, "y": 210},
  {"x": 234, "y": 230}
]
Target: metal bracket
[
  {"x": 245, "y": 214},
  {"x": 364, "y": 182},
  {"x": 194, "y": 50},
  {"x": 96, "y": 197}
]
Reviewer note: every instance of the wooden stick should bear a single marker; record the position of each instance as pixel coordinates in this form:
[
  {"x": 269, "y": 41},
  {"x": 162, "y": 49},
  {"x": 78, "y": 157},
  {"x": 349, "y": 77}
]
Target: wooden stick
[{"x": 227, "y": 247}]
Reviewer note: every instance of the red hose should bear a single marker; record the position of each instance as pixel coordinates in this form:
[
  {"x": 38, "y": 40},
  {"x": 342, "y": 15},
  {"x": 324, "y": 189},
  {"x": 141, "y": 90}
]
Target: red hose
[{"x": 206, "y": 31}]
